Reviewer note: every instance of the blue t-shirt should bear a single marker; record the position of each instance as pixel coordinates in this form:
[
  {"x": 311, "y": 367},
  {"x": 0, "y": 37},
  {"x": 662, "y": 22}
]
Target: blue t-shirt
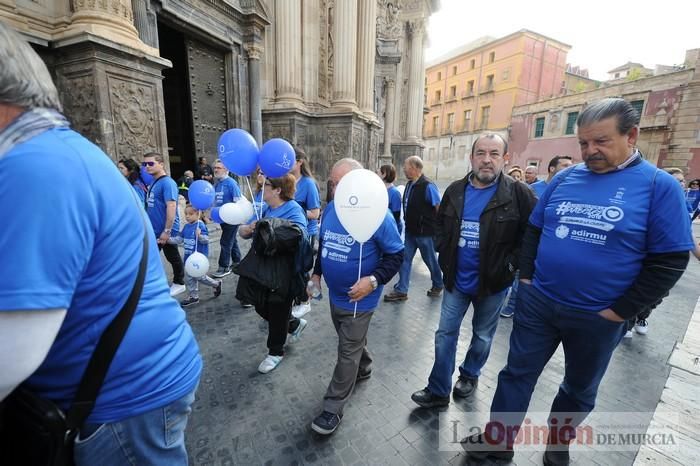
[
  {"x": 141, "y": 190},
  {"x": 432, "y": 195},
  {"x": 189, "y": 238},
  {"x": 290, "y": 210},
  {"x": 159, "y": 193},
  {"x": 597, "y": 229},
  {"x": 693, "y": 198},
  {"x": 394, "y": 202},
  {"x": 475, "y": 200},
  {"x": 340, "y": 258},
  {"x": 539, "y": 187},
  {"x": 81, "y": 252},
  {"x": 308, "y": 198},
  {"x": 227, "y": 190}
]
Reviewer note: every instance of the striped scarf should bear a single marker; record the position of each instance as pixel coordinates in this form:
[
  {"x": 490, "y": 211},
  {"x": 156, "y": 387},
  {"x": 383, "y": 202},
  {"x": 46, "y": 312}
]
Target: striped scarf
[{"x": 29, "y": 124}]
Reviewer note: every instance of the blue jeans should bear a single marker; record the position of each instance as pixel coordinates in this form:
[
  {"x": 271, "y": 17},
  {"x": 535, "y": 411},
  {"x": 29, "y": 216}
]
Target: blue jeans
[
  {"x": 539, "y": 325},
  {"x": 154, "y": 438},
  {"x": 508, "y": 304},
  {"x": 229, "y": 246},
  {"x": 484, "y": 323},
  {"x": 427, "y": 253}
]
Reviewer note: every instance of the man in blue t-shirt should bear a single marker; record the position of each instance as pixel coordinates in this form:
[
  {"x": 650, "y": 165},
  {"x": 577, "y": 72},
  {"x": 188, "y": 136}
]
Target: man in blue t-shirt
[
  {"x": 352, "y": 301},
  {"x": 480, "y": 226},
  {"x": 607, "y": 239},
  {"x": 69, "y": 266},
  {"x": 161, "y": 206},
  {"x": 420, "y": 205},
  {"x": 227, "y": 190}
]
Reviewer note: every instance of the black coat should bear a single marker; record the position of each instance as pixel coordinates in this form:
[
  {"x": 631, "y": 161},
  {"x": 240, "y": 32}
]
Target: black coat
[
  {"x": 501, "y": 229},
  {"x": 269, "y": 273}
]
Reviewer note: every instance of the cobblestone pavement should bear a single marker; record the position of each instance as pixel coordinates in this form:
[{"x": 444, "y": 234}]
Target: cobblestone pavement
[{"x": 245, "y": 418}]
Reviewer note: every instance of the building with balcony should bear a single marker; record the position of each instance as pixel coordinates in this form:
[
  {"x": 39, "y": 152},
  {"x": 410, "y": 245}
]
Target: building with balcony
[
  {"x": 475, "y": 87},
  {"x": 669, "y": 108}
]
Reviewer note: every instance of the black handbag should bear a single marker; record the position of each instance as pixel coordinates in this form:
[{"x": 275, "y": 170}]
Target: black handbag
[{"x": 35, "y": 431}]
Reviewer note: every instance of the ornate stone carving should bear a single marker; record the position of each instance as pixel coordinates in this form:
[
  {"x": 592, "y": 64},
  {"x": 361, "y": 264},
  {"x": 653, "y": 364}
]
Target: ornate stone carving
[
  {"x": 389, "y": 25},
  {"x": 416, "y": 27},
  {"x": 325, "y": 50},
  {"x": 357, "y": 151},
  {"x": 133, "y": 110},
  {"x": 337, "y": 143},
  {"x": 78, "y": 98},
  {"x": 255, "y": 52}
]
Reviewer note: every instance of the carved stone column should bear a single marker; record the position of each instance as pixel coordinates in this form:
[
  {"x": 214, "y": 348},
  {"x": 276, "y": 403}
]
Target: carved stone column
[
  {"x": 110, "y": 19},
  {"x": 415, "y": 81},
  {"x": 144, "y": 25},
  {"x": 345, "y": 58},
  {"x": 366, "y": 32},
  {"x": 288, "y": 50},
  {"x": 254, "y": 55},
  {"x": 389, "y": 117}
]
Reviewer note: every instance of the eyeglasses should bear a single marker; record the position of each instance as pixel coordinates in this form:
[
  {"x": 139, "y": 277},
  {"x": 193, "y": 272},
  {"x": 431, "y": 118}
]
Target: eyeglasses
[
  {"x": 267, "y": 183},
  {"x": 147, "y": 164},
  {"x": 218, "y": 168}
]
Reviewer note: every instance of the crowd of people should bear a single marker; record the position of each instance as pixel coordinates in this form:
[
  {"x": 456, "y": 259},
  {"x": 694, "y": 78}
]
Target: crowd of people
[{"x": 577, "y": 259}]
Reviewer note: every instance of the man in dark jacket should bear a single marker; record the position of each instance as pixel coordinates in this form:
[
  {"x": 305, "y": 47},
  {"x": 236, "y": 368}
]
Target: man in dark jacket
[
  {"x": 421, "y": 199},
  {"x": 479, "y": 230}
]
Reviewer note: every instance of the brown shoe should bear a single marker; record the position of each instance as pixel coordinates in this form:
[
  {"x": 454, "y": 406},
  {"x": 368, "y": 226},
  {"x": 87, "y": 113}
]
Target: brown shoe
[
  {"x": 395, "y": 296},
  {"x": 434, "y": 292}
]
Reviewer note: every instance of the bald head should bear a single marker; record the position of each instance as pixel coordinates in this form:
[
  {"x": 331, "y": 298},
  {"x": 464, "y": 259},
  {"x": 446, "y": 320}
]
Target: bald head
[{"x": 341, "y": 168}]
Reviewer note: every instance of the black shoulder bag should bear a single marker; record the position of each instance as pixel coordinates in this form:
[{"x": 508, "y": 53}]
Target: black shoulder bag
[{"x": 36, "y": 432}]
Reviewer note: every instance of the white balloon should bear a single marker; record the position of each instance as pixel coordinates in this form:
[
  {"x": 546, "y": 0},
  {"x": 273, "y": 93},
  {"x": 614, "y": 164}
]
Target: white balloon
[
  {"x": 361, "y": 202},
  {"x": 236, "y": 213},
  {"x": 197, "y": 265},
  {"x": 401, "y": 188}
]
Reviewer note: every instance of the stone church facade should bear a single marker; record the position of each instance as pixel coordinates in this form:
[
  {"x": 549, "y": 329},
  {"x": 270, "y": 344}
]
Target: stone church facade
[{"x": 339, "y": 78}]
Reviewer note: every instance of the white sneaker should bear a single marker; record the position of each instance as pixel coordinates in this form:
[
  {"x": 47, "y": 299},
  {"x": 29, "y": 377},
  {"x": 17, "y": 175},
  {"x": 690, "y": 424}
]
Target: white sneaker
[
  {"x": 269, "y": 363},
  {"x": 301, "y": 310},
  {"x": 641, "y": 327},
  {"x": 629, "y": 334},
  {"x": 294, "y": 337},
  {"x": 176, "y": 289}
]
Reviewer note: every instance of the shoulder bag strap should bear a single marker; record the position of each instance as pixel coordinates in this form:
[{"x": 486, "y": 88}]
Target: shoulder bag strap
[{"x": 106, "y": 348}]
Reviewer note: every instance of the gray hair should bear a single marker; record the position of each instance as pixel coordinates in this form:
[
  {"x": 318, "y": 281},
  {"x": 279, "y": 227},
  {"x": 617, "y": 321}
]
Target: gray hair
[
  {"x": 24, "y": 79},
  {"x": 491, "y": 136},
  {"x": 415, "y": 162},
  {"x": 627, "y": 116},
  {"x": 350, "y": 162}
]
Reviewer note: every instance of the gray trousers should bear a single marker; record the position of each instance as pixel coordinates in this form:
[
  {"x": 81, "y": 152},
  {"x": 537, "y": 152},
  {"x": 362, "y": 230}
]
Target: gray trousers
[
  {"x": 192, "y": 284},
  {"x": 352, "y": 356}
]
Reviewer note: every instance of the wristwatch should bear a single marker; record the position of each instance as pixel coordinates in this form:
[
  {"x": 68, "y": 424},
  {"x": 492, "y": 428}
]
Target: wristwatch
[{"x": 373, "y": 281}]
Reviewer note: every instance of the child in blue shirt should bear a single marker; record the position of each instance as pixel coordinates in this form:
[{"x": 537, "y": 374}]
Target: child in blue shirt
[{"x": 195, "y": 234}]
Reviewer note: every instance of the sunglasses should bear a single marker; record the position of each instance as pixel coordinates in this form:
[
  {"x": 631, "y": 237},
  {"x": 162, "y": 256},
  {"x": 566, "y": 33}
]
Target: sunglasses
[{"x": 147, "y": 164}]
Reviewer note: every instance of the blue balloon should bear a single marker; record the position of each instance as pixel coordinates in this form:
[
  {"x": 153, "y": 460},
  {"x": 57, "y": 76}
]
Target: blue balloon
[
  {"x": 214, "y": 214},
  {"x": 238, "y": 151},
  {"x": 145, "y": 176},
  {"x": 201, "y": 194},
  {"x": 277, "y": 157}
]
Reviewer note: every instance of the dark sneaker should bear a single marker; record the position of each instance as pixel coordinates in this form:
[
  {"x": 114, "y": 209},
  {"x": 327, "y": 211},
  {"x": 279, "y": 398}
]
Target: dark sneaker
[
  {"x": 478, "y": 448},
  {"x": 395, "y": 296},
  {"x": 434, "y": 292},
  {"x": 557, "y": 456},
  {"x": 364, "y": 374},
  {"x": 245, "y": 305},
  {"x": 425, "y": 399},
  {"x": 222, "y": 272},
  {"x": 234, "y": 267},
  {"x": 465, "y": 387},
  {"x": 217, "y": 289},
  {"x": 189, "y": 301},
  {"x": 326, "y": 423}
]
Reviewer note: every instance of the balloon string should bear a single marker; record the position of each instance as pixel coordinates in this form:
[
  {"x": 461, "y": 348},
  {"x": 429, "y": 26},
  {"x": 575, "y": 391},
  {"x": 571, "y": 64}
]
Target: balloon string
[
  {"x": 252, "y": 196},
  {"x": 359, "y": 272}
]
